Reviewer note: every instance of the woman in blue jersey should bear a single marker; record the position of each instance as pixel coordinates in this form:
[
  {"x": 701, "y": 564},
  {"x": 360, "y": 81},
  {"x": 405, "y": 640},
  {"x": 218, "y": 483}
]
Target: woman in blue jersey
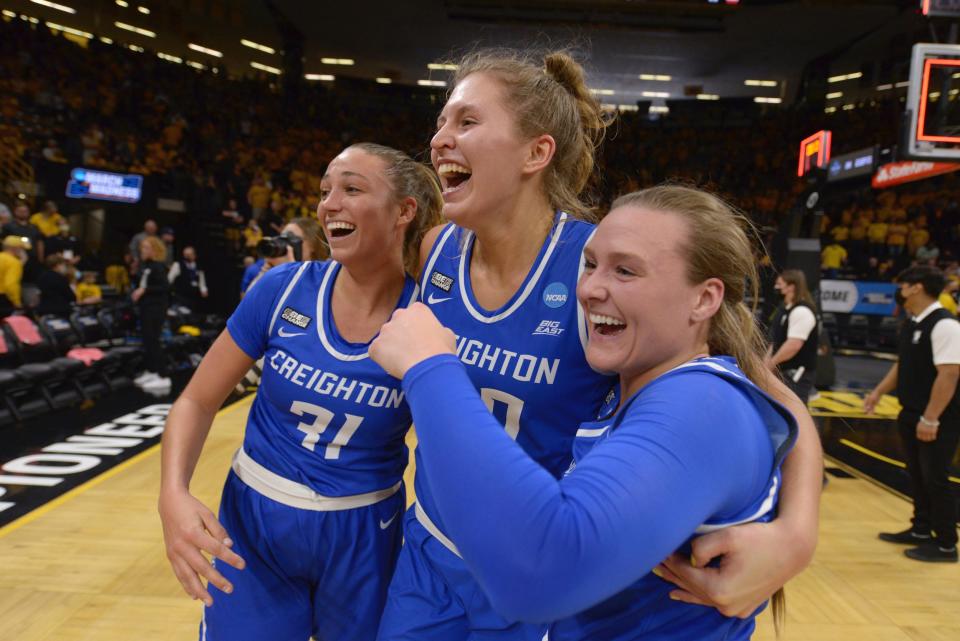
[
  {"x": 696, "y": 444},
  {"x": 309, "y": 525},
  {"x": 514, "y": 148}
]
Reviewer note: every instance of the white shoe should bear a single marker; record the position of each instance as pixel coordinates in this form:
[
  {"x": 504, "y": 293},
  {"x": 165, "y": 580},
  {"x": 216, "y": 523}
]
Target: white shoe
[
  {"x": 145, "y": 378},
  {"x": 157, "y": 383}
]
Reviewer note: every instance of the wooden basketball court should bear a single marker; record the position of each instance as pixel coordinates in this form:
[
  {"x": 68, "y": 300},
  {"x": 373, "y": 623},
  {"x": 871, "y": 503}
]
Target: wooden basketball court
[{"x": 91, "y": 565}]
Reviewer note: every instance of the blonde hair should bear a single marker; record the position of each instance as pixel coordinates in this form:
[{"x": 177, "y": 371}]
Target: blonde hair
[
  {"x": 312, "y": 235},
  {"x": 549, "y": 96},
  {"x": 412, "y": 179},
  {"x": 158, "y": 247},
  {"x": 719, "y": 246}
]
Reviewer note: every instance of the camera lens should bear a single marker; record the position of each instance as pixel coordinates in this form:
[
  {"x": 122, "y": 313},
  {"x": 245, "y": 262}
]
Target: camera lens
[{"x": 272, "y": 247}]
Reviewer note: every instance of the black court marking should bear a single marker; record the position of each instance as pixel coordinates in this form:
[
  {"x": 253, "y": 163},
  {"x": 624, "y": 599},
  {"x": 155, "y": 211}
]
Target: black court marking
[{"x": 50, "y": 455}]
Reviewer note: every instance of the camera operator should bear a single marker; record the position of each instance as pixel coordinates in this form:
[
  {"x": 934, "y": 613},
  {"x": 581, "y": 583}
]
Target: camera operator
[{"x": 300, "y": 240}]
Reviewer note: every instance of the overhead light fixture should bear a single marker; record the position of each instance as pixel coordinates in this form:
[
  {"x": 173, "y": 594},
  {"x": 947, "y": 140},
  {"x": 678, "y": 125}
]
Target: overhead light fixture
[
  {"x": 9, "y": 14},
  {"x": 54, "y": 5},
  {"x": 206, "y": 50},
  {"x": 884, "y": 87},
  {"x": 257, "y": 46},
  {"x": 105, "y": 40},
  {"x": 29, "y": 19},
  {"x": 835, "y": 94},
  {"x": 122, "y": 3},
  {"x": 71, "y": 31},
  {"x": 169, "y": 58},
  {"x": 707, "y": 96},
  {"x": 137, "y": 30},
  {"x": 848, "y": 76},
  {"x": 384, "y": 81},
  {"x": 135, "y": 48},
  {"x": 431, "y": 83},
  {"x": 760, "y": 83},
  {"x": 849, "y": 107},
  {"x": 767, "y": 101},
  {"x": 602, "y": 92},
  {"x": 829, "y": 110},
  {"x": 655, "y": 77},
  {"x": 901, "y": 85},
  {"x": 319, "y": 76},
  {"x": 439, "y": 66},
  {"x": 267, "y": 68},
  {"x": 346, "y": 62},
  {"x": 628, "y": 107},
  {"x": 655, "y": 94},
  {"x": 144, "y": 10},
  {"x": 658, "y": 109},
  {"x": 196, "y": 65}
]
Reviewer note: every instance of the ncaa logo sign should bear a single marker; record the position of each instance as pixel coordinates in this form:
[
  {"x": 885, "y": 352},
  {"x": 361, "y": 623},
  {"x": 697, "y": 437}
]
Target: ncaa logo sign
[{"x": 555, "y": 295}]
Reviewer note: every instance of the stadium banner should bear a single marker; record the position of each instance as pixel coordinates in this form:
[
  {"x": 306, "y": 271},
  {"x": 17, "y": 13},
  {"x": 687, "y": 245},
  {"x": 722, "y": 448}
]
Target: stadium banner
[
  {"x": 104, "y": 185},
  {"x": 897, "y": 173},
  {"x": 857, "y": 297}
]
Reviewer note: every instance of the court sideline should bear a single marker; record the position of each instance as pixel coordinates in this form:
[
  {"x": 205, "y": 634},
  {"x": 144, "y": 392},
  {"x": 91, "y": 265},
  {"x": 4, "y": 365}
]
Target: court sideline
[{"x": 91, "y": 565}]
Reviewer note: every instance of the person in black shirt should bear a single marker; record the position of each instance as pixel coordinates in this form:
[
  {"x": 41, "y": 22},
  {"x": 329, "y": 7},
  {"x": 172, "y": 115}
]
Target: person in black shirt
[
  {"x": 22, "y": 227},
  {"x": 794, "y": 334},
  {"x": 152, "y": 296},
  {"x": 188, "y": 281},
  {"x": 64, "y": 243},
  {"x": 56, "y": 296},
  {"x": 925, "y": 377}
]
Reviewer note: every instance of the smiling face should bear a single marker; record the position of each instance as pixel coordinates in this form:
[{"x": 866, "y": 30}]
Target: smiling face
[
  {"x": 644, "y": 315},
  {"x": 477, "y": 151},
  {"x": 358, "y": 209}
]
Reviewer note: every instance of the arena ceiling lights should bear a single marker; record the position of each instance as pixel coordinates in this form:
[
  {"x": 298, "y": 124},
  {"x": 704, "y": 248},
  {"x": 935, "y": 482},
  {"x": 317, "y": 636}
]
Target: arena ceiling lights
[
  {"x": 760, "y": 83},
  {"x": 70, "y": 30},
  {"x": 656, "y": 77},
  {"x": 326, "y": 77},
  {"x": 431, "y": 83},
  {"x": 707, "y": 96},
  {"x": 843, "y": 77},
  {"x": 655, "y": 94},
  {"x": 343, "y": 62},
  {"x": 602, "y": 92},
  {"x": 267, "y": 68},
  {"x": 257, "y": 46},
  {"x": 208, "y": 51},
  {"x": 144, "y": 10},
  {"x": 54, "y": 5},
  {"x": 767, "y": 101},
  {"x": 439, "y": 66},
  {"x": 137, "y": 30},
  {"x": 384, "y": 81}
]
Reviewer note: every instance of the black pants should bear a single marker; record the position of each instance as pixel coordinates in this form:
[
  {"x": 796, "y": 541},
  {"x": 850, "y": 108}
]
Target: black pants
[
  {"x": 6, "y": 307},
  {"x": 802, "y": 386},
  {"x": 928, "y": 463},
  {"x": 152, "y": 317}
]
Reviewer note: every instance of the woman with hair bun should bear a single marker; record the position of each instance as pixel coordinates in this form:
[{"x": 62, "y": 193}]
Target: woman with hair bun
[{"x": 514, "y": 149}]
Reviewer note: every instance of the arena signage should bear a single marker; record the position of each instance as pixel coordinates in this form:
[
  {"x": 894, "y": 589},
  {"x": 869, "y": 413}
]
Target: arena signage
[
  {"x": 104, "y": 185},
  {"x": 857, "y": 163},
  {"x": 897, "y": 173},
  {"x": 940, "y": 7},
  {"x": 857, "y": 297},
  {"x": 97, "y": 447}
]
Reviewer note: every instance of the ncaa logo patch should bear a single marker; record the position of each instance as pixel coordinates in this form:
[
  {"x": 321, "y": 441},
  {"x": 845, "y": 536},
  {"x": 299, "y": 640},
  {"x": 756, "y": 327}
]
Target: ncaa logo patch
[
  {"x": 293, "y": 316},
  {"x": 441, "y": 281},
  {"x": 555, "y": 295}
]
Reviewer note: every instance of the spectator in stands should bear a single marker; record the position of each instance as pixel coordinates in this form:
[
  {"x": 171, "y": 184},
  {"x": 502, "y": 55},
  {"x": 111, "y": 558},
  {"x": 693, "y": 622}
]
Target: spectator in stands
[
  {"x": 65, "y": 244},
  {"x": 188, "y": 280},
  {"x": 794, "y": 334},
  {"x": 832, "y": 258},
  {"x": 897, "y": 231},
  {"x": 925, "y": 378},
  {"x": 167, "y": 236},
  {"x": 877, "y": 237},
  {"x": 857, "y": 245},
  {"x": 88, "y": 291},
  {"x": 48, "y": 220},
  {"x": 53, "y": 153},
  {"x": 22, "y": 227},
  {"x": 152, "y": 297},
  {"x": 56, "y": 296},
  {"x": 258, "y": 197},
  {"x": 252, "y": 234},
  {"x": 149, "y": 230},
  {"x": 928, "y": 254},
  {"x": 5, "y": 214},
  {"x": 273, "y": 221},
  {"x": 12, "y": 258},
  {"x": 947, "y": 296}
]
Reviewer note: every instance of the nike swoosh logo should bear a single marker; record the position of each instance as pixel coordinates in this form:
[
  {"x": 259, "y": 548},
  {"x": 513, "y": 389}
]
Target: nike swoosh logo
[
  {"x": 284, "y": 334},
  {"x": 385, "y": 524},
  {"x": 433, "y": 300}
]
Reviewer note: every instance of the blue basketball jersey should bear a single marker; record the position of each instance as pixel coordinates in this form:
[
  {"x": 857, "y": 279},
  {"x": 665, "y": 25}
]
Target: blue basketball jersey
[
  {"x": 644, "y": 609},
  {"x": 526, "y": 358},
  {"x": 325, "y": 416}
]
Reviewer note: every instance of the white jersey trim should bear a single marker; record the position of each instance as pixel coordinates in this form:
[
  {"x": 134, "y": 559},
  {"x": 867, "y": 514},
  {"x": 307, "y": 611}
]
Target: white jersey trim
[
  {"x": 283, "y": 299},
  {"x": 321, "y": 330},
  {"x": 591, "y": 433},
  {"x": 474, "y": 312},
  {"x": 432, "y": 528},
  {"x": 434, "y": 253},
  {"x": 293, "y": 494}
]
